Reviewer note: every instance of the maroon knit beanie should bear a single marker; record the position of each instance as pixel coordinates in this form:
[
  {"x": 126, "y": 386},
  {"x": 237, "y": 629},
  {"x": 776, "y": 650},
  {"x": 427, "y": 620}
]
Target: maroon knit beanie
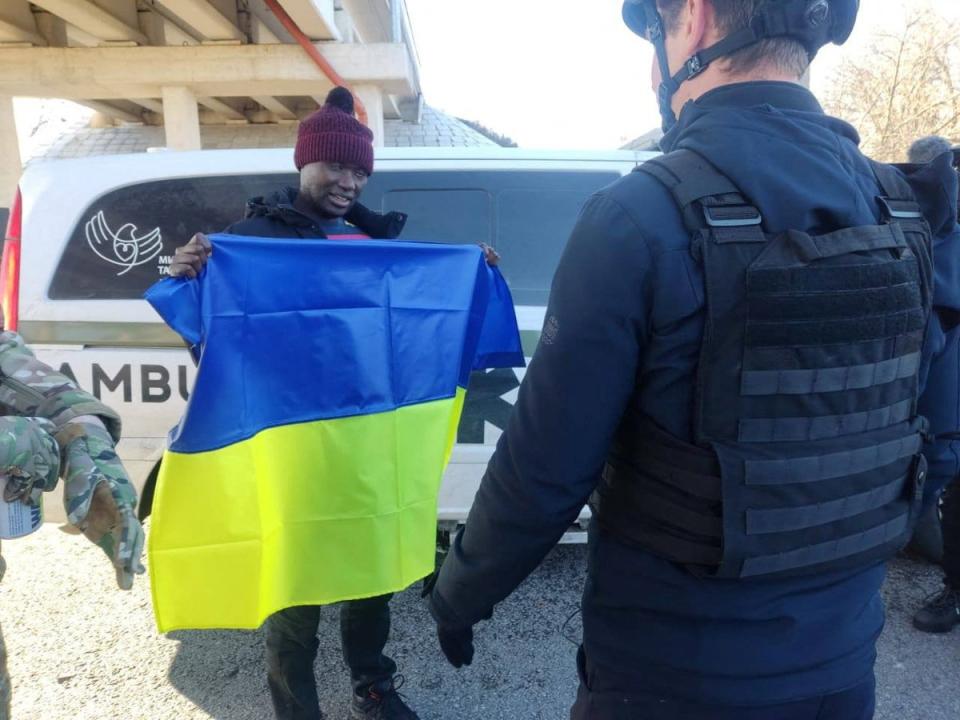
[{"x": 332, "y": 134}]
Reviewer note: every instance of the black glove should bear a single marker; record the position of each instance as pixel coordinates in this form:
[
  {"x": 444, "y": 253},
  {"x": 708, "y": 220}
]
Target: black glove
[
  {"x": 457, "y": 644},
  {"x": 456, "y": 641}
]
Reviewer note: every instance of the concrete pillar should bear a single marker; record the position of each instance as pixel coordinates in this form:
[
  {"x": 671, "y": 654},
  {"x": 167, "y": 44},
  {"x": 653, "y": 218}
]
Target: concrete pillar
[
  {"x": 372, "y": 99},
  {"x": 181, "y": 118},
  {"x": 10, "y": 163}
]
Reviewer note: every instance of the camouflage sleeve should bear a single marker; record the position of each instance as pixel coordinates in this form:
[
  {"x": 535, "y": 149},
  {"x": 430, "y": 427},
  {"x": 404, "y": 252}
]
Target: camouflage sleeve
[
  {"x": 29, "y": 458},
  {"x": 98, "y": 495},
  {"x": 31, "y": 388}
]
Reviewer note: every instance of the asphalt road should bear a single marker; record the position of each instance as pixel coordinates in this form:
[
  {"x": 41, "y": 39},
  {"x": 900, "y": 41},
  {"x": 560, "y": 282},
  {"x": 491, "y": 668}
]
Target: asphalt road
[{"x": 81, "y": 650}]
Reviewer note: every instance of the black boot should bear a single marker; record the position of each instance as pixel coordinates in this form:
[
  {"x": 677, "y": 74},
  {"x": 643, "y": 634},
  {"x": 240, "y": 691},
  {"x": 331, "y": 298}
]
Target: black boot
[
  {"x": 381, "y": 701},
  {"x": 940, "y": 612}
]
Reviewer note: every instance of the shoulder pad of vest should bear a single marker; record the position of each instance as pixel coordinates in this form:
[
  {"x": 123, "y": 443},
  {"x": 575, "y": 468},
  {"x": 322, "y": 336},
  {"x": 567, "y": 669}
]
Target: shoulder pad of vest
[{"x": 935, "y": 187}]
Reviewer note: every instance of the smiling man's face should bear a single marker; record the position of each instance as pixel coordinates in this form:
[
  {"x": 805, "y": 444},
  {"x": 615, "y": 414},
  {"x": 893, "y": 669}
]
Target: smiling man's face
[{"x": 332, "y": 188}]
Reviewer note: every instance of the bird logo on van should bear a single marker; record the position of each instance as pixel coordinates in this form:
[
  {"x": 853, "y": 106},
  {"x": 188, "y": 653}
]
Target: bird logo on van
[{"x": 122, "y": 247}]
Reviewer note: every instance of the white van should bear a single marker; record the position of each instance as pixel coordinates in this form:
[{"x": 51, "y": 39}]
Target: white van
[{"x": 87, "y": 237}]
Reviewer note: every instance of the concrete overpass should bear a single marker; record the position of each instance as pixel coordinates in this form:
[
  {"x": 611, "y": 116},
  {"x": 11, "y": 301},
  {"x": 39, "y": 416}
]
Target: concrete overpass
[{"x": 183, "y": 63}]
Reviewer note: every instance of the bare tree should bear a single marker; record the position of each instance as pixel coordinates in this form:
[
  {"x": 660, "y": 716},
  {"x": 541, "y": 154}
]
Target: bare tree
[{"x": 906, "y": 85}]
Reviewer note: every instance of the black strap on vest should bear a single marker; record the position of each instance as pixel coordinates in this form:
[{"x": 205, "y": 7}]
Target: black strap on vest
[
  {"x": 706, "y": 198},
  {"x": 897, "y": 202},
  {"x": 691, "y": 180}
]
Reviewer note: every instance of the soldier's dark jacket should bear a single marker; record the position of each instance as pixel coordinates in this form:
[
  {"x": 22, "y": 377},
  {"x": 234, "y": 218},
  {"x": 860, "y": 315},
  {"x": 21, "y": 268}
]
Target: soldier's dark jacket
[{"x": 626, "y": 318}]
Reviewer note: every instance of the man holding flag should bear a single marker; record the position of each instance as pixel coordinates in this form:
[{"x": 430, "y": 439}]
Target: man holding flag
[{"x": 334, "y": 155}]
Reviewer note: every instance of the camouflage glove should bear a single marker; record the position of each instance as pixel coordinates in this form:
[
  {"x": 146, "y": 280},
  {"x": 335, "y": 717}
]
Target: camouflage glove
[
  {"x": 99, "y": 498},
  {"x": 29, "y": 458}
]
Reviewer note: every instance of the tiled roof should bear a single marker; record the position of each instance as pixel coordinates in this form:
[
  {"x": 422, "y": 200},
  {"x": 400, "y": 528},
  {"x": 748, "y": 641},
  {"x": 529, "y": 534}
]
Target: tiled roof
[{"x": 436, "y": 129}]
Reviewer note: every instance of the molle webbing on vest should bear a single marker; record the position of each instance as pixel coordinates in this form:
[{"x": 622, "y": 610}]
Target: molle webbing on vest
[{"x": 662, "y": 494}]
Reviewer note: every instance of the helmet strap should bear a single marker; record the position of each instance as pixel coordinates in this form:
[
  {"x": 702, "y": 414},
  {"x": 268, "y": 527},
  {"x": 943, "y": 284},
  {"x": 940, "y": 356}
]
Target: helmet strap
[{"x": 765, "y": 26}]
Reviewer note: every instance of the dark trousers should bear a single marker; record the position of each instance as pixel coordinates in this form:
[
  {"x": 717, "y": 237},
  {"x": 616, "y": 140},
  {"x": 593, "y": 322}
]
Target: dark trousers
[
  {"x": 605, "y": 695},
  {"x": 292, "y": 644},
  {"x": 950, "y": 526}
]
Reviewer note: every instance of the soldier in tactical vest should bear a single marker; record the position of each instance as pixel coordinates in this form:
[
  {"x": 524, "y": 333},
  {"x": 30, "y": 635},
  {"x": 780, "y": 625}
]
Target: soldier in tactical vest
[
  {"x": 50, "y": 428},
  {"x": 938, "y": 534},
  {"x": 746, "y": 374}
]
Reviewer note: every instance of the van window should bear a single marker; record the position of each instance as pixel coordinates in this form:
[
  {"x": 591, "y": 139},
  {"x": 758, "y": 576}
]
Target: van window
[
  {"x": 124, "y": 241},
  {"x": 532, "y": 230},
  {"x": 527, "y": 215},
  {"x": 443, "y": 215}
]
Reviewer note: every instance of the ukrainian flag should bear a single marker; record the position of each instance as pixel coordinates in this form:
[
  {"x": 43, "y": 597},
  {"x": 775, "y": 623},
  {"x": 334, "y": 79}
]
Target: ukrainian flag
[{"x": 331, "y": 377}]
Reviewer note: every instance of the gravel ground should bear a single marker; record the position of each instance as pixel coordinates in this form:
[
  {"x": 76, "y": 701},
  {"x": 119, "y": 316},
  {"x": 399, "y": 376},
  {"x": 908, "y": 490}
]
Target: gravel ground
[{"x": 81, "y": 650}]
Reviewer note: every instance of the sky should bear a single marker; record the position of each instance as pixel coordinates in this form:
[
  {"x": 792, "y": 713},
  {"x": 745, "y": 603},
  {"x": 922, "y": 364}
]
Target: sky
[
  {"x": 552, "y": 74},
  {"x": 565, "y": 73}
]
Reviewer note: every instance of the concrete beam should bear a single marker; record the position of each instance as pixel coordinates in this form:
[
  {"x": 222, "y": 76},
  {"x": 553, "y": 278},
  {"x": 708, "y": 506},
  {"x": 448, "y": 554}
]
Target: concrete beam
[
  {"x": 210, "y": 71},
  {"x": 93, "y": 19},
  {"x": 52, "y": 28},
  {"x": 230, "y": 9},
  {"x": 259, "y": 11},
  {"x": 372, "y": 98},
  {"x": 112, "y": 111},
  {"x": 384, "y": 21},
  {"x": 10, "y": 164},
  {"x": 79, "y": 38},
  {"x": 163, "y": 31},
  {"x": 315, "y": 17},
  {"x": 262, "y": 117},
  {"x": 276, "y": 107},
  {"x": 155, "y": 106},
  {"x": 344, "y": 24},
  {"x": 261, "y": 33},
  {"x": 177, "y": 36},
  {"x": 304, "y": 108},
  {"x": 391, "y": 108},
  {"x": 222, "y": 108},
  {"x": 181, "y": 119},
  {"x": 208, "y": 22},
  {"x": 11, "y": 32},
  {"x": 17, "y": 12},
  {"x": 123, "y": 10},
  {"x": 372, "y": 20},
  {"x": 396, "y": 21}
]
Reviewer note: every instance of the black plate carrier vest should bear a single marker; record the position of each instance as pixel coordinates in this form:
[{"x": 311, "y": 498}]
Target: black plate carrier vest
[{"x": 807, "y": 439}]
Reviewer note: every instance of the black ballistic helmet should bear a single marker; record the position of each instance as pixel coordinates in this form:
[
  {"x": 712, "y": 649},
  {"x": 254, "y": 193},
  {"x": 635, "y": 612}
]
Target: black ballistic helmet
[{"x": 812, "y": 23}]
